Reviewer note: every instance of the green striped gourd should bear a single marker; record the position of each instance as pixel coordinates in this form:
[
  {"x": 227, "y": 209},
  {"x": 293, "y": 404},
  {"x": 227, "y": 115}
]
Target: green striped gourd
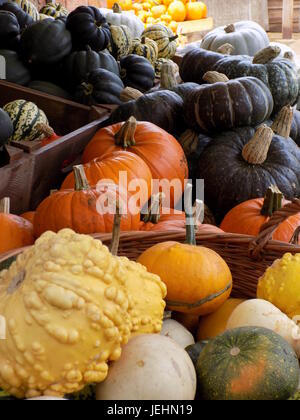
[
  {"x": 29, "y": 8},
  {"x": 160, "y": 62},
  {"x": 54, "y": 10},
  {"x": 165, "y": 39},
  {"x": 121, "y": 41},
  {"x": 145, "y": 47},
  {"x": 27, "y": 119}
]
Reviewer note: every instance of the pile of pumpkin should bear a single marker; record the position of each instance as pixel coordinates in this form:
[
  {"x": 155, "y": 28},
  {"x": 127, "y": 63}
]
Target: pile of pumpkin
[
  {"x": 166, "y": 12},
  {"x": 88, "y": 55}
]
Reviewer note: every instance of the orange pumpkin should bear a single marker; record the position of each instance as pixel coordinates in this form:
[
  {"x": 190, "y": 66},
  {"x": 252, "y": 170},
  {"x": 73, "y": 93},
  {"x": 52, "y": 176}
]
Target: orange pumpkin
[
  {"x": 173, "y": 26},
  {"x": 196, "y": 10},
  {"x": 197, "y": 278},
  {"x": 125, "y": 4},
  {"x": 165, "y": 19},
  {"x": 161, "y": 151},
  {"x": 84, "y": 210},
  {"x": 157, "y": 11},
  {"x": 137, "y": 7},
  {"x": 111, "y": 166},
  {"x": 177, "y": 11},
  {"x": 247, "y": 218},
  {"x": 29, "y": 215},
  {"x": 16, "y": 232}
]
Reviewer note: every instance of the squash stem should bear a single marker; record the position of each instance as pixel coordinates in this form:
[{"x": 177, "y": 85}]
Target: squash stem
[
  {"x": 212, "y": 77},
  {"x": 256, "y": 150},
  {"x": 5, "y": 205},
  {"x": 115, "y": 239},
  {"x": 226, "y": 49},
  {"x": 266, "y": 55},
  {"x": 229, "y": 29},
  {"x": 173, "y": 38},
  {"x": 130, "y": 94},
  {"x": 81, "y": 182},
  {"x": 189, "y": 216},
  {"x": 117, "y": 8},
  {"x": 154, "y": 213},
  {"x": 272, "y": 201},
  {"x": 88, "y": 88},
  {"x": 168, "y": 78},
  {"x": 283, "y": 122},
  {"x": 125, "y": 136}
]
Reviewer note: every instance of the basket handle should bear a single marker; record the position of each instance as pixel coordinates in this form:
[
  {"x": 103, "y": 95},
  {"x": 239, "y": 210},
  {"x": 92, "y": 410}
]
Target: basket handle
[{"x": 266, "y": 232}]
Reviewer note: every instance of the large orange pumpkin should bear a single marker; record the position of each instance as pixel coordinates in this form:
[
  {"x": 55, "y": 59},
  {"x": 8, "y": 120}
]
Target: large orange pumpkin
[
  {"x": 161, "y": 151},
  {"x": 111, "y": 166},
  {"x": 247, "y": 218},
  {"x": 16, "y": 232},
  {"x": 197, "y": 278},
  {"x": 177, "y": 11},
  {"x": 80, "y": 209},
  {"x": 196, "y": 10},
  {"x": 29, "y": 215}
]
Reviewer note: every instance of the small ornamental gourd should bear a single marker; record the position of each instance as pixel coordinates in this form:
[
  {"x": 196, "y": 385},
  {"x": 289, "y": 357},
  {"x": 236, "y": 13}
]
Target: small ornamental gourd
[
  {"x": 29, "y": 8},
  {"x": 165, "y": 39},
  {"x": 16, "y": 232},
  {"x": 145, "y": 47},
  {"x": 198, "y": 280},
  {"x": 54, "y": 10},
  {"x": 69, "y": 307},
  {"x": 120, "y": 41},
  {"x": 137, "y": 72}
]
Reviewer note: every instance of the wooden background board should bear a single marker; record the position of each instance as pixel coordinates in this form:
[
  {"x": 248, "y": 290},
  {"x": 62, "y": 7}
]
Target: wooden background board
[{"x": 275, "y": 15}]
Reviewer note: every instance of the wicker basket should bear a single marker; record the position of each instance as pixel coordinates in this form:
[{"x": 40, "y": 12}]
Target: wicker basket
[{"x": 248, "y": 257}]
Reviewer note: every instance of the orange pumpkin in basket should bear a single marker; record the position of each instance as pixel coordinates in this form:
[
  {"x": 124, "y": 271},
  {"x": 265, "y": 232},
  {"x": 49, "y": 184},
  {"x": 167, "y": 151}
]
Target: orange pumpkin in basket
[
  {"x": 84, "y": 210},
  {"x": 16, "y": 232},
  {"x": 177, "y": 11},
  {"x": 197, "y": 278},
  {"x": 247, "y": 218},
  {"x": 112, "y": 167},
  {"x": 161, "y": 151},
  {"x": 196, "y": 10},
  {"x": 29, "y": 215}
]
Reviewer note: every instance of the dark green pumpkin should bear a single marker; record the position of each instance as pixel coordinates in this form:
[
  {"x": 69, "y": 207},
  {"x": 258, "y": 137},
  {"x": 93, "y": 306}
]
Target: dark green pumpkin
[
  {"x": 88, "y": 27},
  {"x": 247, "y": 364},
  {"x": 295, "y": 129},
  {"x": 45, "y": 42},
  {"x": 6, "y": 127},
  {"x": 279, "y": 74},
  {"x": 230, "y": 179},
  {"x": 185, "y": 89},
  {"x": 24, "y": 19},
  {"x": 223, "y": 106},
  {"x": 80, "y": 63},
  {"x": 163, "y": 108},
  {"x": 9, "y": 31},
  {"x": 194, "y": 350},
  {"x": 137, "y": 72},
  {"x": 49, "y": 88},
  {"x": 100, "y": 87},
  {"x": 16, "y": 71}
]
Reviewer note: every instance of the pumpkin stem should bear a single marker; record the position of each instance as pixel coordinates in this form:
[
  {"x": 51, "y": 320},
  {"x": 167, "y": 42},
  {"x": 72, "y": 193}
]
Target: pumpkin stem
[
  {"x": 143, "y": 40},
  {"x": 229, "y": 29},
  {"x": 117, "y": 8},
  {"x": 212, "y": 77},
  {"x": 266, "y": 55},
  {"x": 125, "y": 136},
  {"x": 130, "y": 94},
  {"x": 256, "y": 150},
  {"x": 288, "y": 55},
  {"x": 168, "y": 78},
  {"x": 272, "y": 201},
  {"x": 189, "y": 141},
  {"x": 226, "y": 49},
  {"x": 5, "y": 205},
  {"x": 198, "y": 210},
  {"x": 88, "y": 88},
  {"x": 154, "y": 213},
  {"x": 43, "y": 131},
  {"x": 115, "y": 239},
  {"x": 173, "y": 38},
  {"x": 283, "y": 123},
  {"x": 81, "y": 182},
  {"x": 189, "y": 216}
]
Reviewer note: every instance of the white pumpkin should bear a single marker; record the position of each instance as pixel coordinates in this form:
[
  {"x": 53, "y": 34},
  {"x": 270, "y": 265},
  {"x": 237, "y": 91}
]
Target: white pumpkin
[
  {"x": 261, "y": 313},
  {"x": 152, "y": 367},
  {"x": 246, "y": 37},
  {"x": 117, "y": 17},
  {"x": 177, "y": 332}
]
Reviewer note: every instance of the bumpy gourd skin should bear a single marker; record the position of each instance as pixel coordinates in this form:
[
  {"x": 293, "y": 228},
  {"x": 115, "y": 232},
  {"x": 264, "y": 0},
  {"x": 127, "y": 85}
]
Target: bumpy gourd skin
[
  {"x": 280, "y": 285},
  {"x": 69, "y": 307}
]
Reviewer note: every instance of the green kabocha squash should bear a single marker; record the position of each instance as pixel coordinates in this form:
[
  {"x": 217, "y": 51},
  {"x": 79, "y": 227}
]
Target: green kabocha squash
[
  {"x": 88, "y": 27},
  {"x": 145, "y": 47},
  {"x": 279, "y": 74},
  {"x": 137, "y": 72},
  {"x": 54, "y": 10},
  {"x": 26, "y": 118},
  {"x": 246, "y": 37},
  {"x": 247, "y": 364},
  {"x": 224, "y": 104},
  {"x": 50, "y": 88},
  {"x": 29, "y": 8},
  {"x": 100, "y": 87},
  {"x": 165, "y": 39},
  {"x": 45, "y": 42},
  {"x": 24, "y": 19},
  {"x": 121, "y": 41},
  {"x": 185, "y": 89},
  {"x": 16, "y": 71},
  {"x": 79, "y": 64},
  {"x": 6, "y": 127},
  {"x": 9, "y": 31},
  {"x": 258, "y": 158},
  {"x": 117, "y": 17}
]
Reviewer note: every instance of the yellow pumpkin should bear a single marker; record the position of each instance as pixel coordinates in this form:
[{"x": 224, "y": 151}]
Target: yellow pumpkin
[
  {"x": 147, "y": 6},
  {"x": 69, "y": 306},
  {"x": 144, "y": 16},
  {"x": 173, "y": 26},
  {"x": 157, "y": 11},
  {"x": 196, "y": 10},
  {"x": 137, "y": 7},
  {"x": 215, "y": 324},
  {"x": 125, "y": 4},
  {"x": 177, "y": 11},
  {"x": 165, "y": 18},
  {"x": 280, "y": 285}
]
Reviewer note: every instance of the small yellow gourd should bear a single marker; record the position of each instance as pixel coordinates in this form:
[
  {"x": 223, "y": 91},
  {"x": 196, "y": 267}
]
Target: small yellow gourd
[{"x": 69, "y": 306}]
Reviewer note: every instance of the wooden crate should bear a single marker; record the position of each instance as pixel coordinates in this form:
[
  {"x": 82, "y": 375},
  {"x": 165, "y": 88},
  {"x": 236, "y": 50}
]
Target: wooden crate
[
  {"x": 33, "y": 172},
  {"x": 275, "y": 15}
]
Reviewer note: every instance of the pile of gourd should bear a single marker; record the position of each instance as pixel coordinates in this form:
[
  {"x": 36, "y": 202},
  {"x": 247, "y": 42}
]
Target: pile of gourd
[{"x": 88, "y": 55}]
